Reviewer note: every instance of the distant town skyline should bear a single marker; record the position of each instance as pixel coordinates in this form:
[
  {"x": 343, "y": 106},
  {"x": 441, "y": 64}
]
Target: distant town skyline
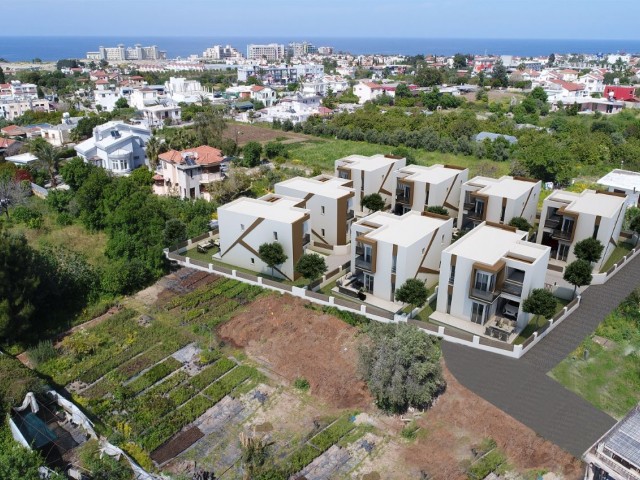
[{"x": 543, "y": 19}]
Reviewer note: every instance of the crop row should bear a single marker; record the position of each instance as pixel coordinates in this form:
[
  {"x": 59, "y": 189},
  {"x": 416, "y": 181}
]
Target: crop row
[
  {"x": 195, "y": 407},
  {"x": 155, "y": 374},
  {"x": 198, "y": 382},
  {"x": 201, "y": 295}
]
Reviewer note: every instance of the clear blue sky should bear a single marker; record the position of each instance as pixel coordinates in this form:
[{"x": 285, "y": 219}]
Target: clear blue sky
[{"x": 543, "y": 19}]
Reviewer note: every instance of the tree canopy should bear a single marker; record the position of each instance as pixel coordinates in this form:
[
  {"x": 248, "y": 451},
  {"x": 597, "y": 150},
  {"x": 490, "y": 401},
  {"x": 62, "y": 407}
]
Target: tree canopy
[
  {"x": 272, "y": 254},
  {"x": 251, "y": 154},
  {"x": 540, "y": 302},
  {"x": 373, "y": 202},
  {"x": 401, "y": 366},
  {"x": 520, "y": 223},
  {"x": 311, "y": 266},
  {"x": 578, "y": 274},
  {"x": 589, "y": 249},
  {"x": 413, "y": 292}
]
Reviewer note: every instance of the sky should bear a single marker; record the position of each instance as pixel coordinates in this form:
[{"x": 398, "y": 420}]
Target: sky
[{"x": 527, "y": 19}]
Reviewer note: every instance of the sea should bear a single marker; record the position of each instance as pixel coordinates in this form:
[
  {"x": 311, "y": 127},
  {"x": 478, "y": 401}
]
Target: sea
[{"x": 58, "y": 47}]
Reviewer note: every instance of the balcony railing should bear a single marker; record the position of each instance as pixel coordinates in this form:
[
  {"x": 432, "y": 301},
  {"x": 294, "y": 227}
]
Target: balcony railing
[
  {"x": 483, "y": 295},
  {"x": 402, "y": 197},
  {"x": 350, "y": 214},
  {"x": 553, "y": 222},
  {"x": 363, "y": 264},
  {"x": 306, "y": 239},
  {"x": 512, "y": 288},
  {"x": 475, "y": 215},
  {"x": 561, "y": 234},
  {"x": 616, "y": 467},
  {"x": 469, "y": 205}
]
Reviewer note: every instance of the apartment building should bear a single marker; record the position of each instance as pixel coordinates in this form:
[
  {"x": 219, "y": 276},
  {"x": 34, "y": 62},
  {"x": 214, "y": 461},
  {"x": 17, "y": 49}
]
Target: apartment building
[
  {"x": 330, "y": 204},
  {"x": 121, "y": 53},
  {"x": 568, "y": 218},
  {"x": 616, "y": 455},
  {"x": 247, "y": 223},
  {"x": 218, "y": 52},
  {"x": 387, "y": 250},
  {"x": 116, "y": 146},
  {"x": 16, "y": 90},
  {"x": 269, "y": 52},
  {"x": 280, "y": 74},
  {"x": 187, "y": 173},
  {"x": 498, "y": 200},
  {"x": 369, "y": 175},
  {"x": 12, "y": 109},
  {"x": 419, "y": 187},
  {"x": 484, "y": 278}
]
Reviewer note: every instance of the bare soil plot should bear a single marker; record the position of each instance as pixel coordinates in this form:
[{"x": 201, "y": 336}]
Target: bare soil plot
[
  {"x": 251, "y": 133},
  {"x": 295, "y": 341}
]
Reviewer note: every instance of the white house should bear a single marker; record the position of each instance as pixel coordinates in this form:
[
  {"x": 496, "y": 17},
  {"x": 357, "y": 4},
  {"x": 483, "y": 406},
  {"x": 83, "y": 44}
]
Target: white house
[
  {"x": 484, "y": 278},
  {"x": 296, "y": 108},
  {"x": 568, "y": 218},
  {"x": 625, "y": 182},
  {"x": 12, "y": 109},
  {"x": 498, "y": 200},
  {"x": 247, "y": 223},
  {"x": 106, "y": 95},
  {"x": 419, "y": 187},
  {"x": 330, "y": 204},
  {"x": 387, "y": 250},
  {"x": 368, "y": 91},
  {"x": 187, "y": 173},
  {"x": 16, "y": 90},
  {"x": 593, "y": 82},
  {"x": 59, "y": 135},
  {"x": 266, "y": 95},
  {"x": 370, "y": 175},
  {"x": 162, "y": 114},
  {"x": 116, "y": 146}
]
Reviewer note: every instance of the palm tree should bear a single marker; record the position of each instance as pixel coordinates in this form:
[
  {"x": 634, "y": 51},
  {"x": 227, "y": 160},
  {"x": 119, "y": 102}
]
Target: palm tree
[
  {"x": 48, "y": 157},
  {"x": 154, "y": 148}
]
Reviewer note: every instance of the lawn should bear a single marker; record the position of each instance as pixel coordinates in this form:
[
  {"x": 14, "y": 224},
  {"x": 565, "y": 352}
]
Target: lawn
[
  {"x": 608, "y": 376},
  {"x": 537, "y": 322},
  {"x": 322, "y": 153},
  {"x": 620, "y": 251}
]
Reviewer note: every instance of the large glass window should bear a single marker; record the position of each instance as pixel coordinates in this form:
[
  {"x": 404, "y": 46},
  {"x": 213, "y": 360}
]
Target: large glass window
[
  {"x": 368, "y": 282},
  {"x": 477, "y": 313},
  {"x": 484, "y": 282}
]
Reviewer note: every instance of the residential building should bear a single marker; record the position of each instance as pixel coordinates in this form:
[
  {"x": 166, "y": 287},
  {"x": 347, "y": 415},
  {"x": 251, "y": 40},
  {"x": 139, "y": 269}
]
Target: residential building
[
  {"x": 625, "y": 182},
  {"x": 12, "y": 109},
  {"x": 247, "y": 223},
  {"x": 300, "y": 49},
  {"x": 121, "y": 53},
  {"x": 368, "y": 91},
  {"x": 270, "y": 52},
  {"x": 621, "y": 93},
  {"x": 593, "y": 82},
  {"x": 330, "y": 204},
  {"x": 387, "y": 250},
  {"x": 296, "y": 108},
  {"x": 116, "y": 146},
  {"x": 187, "y": 173},
  {"x": 370, "y": 175},
  {"x": 187, "y": 91},
  {"x": 218, "y": 52},
  {"x": 616, "y": 455},
  {"x": 166, "y": 113},
  {"x": 106, "y": 95},
  {"x": 484, "y": 278},
  {"x": 568, "y": 218},
  {"x": 265, "y": 95},
  {"x": 419, "y": 187},
  {"x": 9, "y": 146},
  {"x": 498, "y": 200},
  {"x": 322, "y": 86},
  {"x": 280, "y": 74},
  {"x": 59, "y": 135},
  {"x": 16, "y": 90},
  {"x": 22, "y": 159}
]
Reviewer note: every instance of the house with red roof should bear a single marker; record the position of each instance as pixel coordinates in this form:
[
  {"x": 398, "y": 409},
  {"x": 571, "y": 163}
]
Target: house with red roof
[
  {"x": 368, "y": 91},
  {"x": 266, "y": 95},
  {"x": 187, "y": 173},
  {"x": 9, "y": 146}
]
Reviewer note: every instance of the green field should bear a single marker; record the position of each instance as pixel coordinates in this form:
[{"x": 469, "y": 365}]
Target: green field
[
  {"x": 322, "y": 153},
  {"x": 620, "y": 251},
  {"x": 608, "y": 376}
]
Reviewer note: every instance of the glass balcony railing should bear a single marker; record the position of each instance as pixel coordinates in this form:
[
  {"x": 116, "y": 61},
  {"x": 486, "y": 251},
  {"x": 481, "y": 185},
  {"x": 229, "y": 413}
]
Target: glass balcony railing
[
  {"x": 483, "y": 295},
  {"x": 363, "y": 263}
]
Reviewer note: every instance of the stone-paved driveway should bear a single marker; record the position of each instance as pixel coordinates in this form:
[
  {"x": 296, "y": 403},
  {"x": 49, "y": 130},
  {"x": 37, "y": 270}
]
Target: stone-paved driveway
[{"x": 522, "y": 387}]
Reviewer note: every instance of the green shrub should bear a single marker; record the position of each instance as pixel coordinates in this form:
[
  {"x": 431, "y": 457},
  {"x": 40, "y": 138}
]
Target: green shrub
[
  {"x": 301, "y": 384},
  {"x": 334, "y": 432},
  {"x": 155, "y": 374},
  {"x": 208, "y": 356},
  {"x": 494, "y": 461},
  {"x": 211, "y": 373},
  {"x": 410, "y": 431},
  {"x": 352, "y": 319},
  {"x": 32, "y": 218},
  {"x": 42, "y": 352}
]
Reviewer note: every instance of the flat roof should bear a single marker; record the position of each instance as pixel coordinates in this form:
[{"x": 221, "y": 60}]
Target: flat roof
[
  {"x": 503, "y": 187},
  {"x": 402, "y": 230},
  {"x": 368, "y": 164},
  {"x": 589, "y": 201},
  {"x": 304, "y": 185},
  {"x": 488, "y": 244},
  {"x": 432, "y": 174},
  {"x": 22, "y": 158},
  {"x": 283, "y": 209},
  {"x": 623, "y": 179},
  {"x": 624, "y": 438}
]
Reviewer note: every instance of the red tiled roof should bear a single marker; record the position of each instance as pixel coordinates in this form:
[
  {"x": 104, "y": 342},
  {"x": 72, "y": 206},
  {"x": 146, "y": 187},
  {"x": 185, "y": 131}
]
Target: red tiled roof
[
  {"x": 6, "y": 142},
  {"x": 102, "y": 82},
  {"x": 572, "y": 87},
  {"x": 205, "y": 155},
  {"x": 257, "y": 88},
  {"x": 373, "y": 86},
  {"x": 13, "y": 130},
  {"x": 157, "y": 176}
]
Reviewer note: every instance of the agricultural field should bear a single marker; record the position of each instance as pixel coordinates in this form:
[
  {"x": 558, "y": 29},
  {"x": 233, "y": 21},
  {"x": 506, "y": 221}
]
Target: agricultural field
[
  {"x": 321, "y": 153},
  {"x": 260, "y": 133},
  {"x": 605, "y": 368},
  {"x": 187, "y": 373}
]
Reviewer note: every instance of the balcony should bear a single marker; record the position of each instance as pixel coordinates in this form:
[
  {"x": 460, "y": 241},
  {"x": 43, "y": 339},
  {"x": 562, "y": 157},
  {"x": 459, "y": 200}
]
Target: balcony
[
  {"x": 483, "y": 295},
  {"x": 514, "y": 289},
  {"x": 306, "y": 239},
  {"x": 402, "y": 196},
  {"x": 350, "y": 214},
  {"x": 469, "y": 206},
  {"x": 553, "y": 222},
  {"x": 363, "y": 264},
  {"x": 474, "y": 215},
  {"x": 559, "y": 234}
]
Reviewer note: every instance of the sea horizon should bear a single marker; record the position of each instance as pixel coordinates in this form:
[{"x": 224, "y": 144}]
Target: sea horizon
[{"x": 54, "y": 47}]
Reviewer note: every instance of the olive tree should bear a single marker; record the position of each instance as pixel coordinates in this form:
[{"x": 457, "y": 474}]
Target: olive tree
[
  {"x": 373, "y": 202},
  {"x": 578, "y": 274},
  {"x": 272, "y": 254}
]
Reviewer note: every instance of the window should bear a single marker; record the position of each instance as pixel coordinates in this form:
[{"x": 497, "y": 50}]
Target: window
[
  {"x": 242, "y": 226},
  {"x": 368, "y": 282},
  {"x": 595, "y": 231},
  {"x": 275, "y": 235},
  {"x": 477, "y": 313},
  {"x": 322, "y": 231},
  {"x": 452, "y": 274},
  {"x": 449, "y": 297},
  {"x": 253, "y": 260},
  {"x": 563, "y": 251},
  {"x": 484, "y": 282},
  {"x": 394, "y": 262},
  {"x": 322, "y": 209}
]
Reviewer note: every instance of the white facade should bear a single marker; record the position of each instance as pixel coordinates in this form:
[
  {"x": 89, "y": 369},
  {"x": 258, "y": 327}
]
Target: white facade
[
  {"x": 270, "y": 52},
  {"x": 188, "y": 91},
  {"x": 218, "y": 52},
  {"x": 247, "y": 223},
  {"x": 116, "y": 146},
  {"x": 322, "y": 86},
  {"x": 387, "y": 250},
  {"x": 186, "y": 174},
  {"x": 16, "y": 90},
  {"x": 370, "y": 175},
  {"x": 498, "y": 200},
  {"x": 568, "y": 218},
  {"x": 59, "y": 135},
  {"x": 489, "y": 272},
  {"x": 163, "y": 114},
  {"x": 419, "y": 187},
  {"x": 623, "y": 181},
  {"x": 121, "y": 53},
  {"x": 265, "y": 95},
  {"x": 296, "y": 108},
  {"x": 280, "y": 74},
  {"x": 330, "y": 204},
  {"x": 106, "y": 95},
  {"x": 367, "y": 91},
  {"x": 12, "y": 109}
]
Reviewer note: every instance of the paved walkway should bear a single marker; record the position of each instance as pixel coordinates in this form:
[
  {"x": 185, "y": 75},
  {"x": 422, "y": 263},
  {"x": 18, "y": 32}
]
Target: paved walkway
[{"x": 522, "y": 388}]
